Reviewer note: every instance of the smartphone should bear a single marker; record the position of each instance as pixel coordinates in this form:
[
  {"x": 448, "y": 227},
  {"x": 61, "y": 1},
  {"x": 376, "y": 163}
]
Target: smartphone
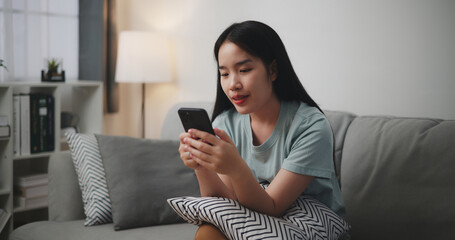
[{"x": 196, "y": 118}]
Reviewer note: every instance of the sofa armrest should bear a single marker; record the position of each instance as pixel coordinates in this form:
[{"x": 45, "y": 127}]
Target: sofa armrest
[{"x": 65, "y": 197}]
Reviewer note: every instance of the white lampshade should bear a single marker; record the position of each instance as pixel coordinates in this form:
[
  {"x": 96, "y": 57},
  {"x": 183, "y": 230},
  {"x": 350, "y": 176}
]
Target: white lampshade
[{"x": 143, "y": 57}]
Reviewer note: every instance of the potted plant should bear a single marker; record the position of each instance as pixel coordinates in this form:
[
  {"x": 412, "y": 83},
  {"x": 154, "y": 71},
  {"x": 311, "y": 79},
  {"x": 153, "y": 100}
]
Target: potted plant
[
  {"x": 52, "y": 66},
  {"x": 52, "y": 74}
]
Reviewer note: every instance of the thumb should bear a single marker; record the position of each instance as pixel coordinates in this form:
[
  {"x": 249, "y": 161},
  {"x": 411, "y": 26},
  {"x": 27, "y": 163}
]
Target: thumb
[{"x": 223, "y": 135}]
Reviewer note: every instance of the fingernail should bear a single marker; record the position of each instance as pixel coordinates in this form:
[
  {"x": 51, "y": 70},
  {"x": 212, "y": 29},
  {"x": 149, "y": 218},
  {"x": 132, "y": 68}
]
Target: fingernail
[
  {"x": 185, "y": 140},
  {"x": 190, "y": 131}
]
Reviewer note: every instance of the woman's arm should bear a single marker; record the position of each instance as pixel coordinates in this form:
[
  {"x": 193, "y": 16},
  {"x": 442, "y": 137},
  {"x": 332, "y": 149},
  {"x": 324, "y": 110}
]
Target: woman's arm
[
  {"x": 210, "y": 184},
  {"x": 285, "y": 188},
  {"x": 220, "y": 155}
]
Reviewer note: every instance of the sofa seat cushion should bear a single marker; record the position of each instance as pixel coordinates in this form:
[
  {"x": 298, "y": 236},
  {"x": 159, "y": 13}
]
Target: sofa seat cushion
[{"x": 75, "y": 230}]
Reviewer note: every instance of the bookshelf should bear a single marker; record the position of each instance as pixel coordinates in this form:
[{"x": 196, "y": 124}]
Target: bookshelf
[{"x": 82, "y": 98}]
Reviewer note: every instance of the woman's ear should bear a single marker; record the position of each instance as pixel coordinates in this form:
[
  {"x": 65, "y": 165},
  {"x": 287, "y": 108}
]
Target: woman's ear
[{"x": 273, "y": 70}]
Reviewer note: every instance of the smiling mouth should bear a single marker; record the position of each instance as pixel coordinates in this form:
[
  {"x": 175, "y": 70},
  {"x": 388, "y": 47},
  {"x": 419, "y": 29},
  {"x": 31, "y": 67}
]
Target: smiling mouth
[{"x": 239, "y": 99}]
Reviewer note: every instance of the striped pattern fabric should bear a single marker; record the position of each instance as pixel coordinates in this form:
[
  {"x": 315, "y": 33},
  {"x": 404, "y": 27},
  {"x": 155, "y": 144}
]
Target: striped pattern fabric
[
  {"x": 306, "y": 219},
  {"x": 316, "y": 219},
  {"x": 92, "y": 180}
]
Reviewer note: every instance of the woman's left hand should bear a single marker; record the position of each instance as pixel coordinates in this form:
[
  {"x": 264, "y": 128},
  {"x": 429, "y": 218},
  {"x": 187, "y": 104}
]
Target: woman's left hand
[{"x": 217, "y": 154}]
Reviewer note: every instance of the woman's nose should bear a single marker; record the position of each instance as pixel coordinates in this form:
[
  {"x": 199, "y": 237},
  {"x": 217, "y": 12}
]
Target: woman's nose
[{"x": 235, "y": 82}]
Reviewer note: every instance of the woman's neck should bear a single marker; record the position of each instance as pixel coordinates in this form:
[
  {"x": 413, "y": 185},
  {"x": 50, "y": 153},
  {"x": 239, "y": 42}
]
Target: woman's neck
[{"x": 264, "y": 120}]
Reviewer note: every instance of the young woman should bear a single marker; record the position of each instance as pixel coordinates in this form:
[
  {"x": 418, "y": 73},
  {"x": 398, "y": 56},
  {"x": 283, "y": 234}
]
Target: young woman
[{"x": 268, "y": 129}]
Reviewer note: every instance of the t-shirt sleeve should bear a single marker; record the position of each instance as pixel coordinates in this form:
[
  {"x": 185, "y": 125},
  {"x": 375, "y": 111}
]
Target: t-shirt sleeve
[
  {"x": 221, "y": 122},
  {"x": 311, "y": 151},
  {"x": 218, "y": 123}
]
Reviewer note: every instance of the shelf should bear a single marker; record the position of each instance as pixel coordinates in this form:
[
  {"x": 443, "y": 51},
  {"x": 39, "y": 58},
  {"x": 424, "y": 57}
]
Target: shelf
[
  {"x": 31, "y": 156},
  {"x": 24, "y": 209},
  {"x": 82, "y": 98},
  {"x": 80, "y": 83}
]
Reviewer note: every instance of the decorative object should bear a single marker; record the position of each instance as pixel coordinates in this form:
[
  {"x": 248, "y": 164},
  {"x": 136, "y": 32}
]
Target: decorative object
[
  {"x": 143, "y": 57},
  {"x": 68, "y": 119},
  {"x": 52, "y": 73}
]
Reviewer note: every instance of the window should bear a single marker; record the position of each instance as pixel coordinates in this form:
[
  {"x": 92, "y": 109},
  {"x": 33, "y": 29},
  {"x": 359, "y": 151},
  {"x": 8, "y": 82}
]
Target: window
[{"x": 34, "y": 30}]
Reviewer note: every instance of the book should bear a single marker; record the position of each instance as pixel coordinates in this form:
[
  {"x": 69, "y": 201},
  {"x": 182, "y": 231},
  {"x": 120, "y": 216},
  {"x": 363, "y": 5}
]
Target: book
[
  {"x": 16, "y": 125},
  {"x": 43, "y": 123},
  {"x": 25, "y": 124},
  {"x": 51, "y": 123},
  {"x": 35, "y": 134},
  {"x": 29, "y": 179},
  {"x": 34, "y": 123},
  {"x": 4, "y": 217},
  {"x": 4, "y": 131},
  {"x": 28, "y": 203},
  {"x": 32, "y": 192}
]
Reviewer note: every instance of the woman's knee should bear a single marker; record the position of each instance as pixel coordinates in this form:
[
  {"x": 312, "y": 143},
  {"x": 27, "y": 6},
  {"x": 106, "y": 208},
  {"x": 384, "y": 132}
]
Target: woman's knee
[{"x": 209, "y": 232}]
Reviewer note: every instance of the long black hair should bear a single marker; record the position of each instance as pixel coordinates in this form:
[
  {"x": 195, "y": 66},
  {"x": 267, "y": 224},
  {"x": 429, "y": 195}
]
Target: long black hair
[{"x": 261, "y": 41}]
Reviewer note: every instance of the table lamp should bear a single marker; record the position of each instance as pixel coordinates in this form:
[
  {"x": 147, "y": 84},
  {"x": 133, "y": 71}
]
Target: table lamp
[{"x": 143, "y": 57}]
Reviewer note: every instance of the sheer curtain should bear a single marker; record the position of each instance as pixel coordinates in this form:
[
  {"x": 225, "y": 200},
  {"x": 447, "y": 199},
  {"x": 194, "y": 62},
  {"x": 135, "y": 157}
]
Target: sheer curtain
[
  {"x": 6, "y": 38},
  {"x": 34, "y": 30}
]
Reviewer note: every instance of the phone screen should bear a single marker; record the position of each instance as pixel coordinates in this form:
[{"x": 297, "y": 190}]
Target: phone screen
[{"x": 196, "y": 118}]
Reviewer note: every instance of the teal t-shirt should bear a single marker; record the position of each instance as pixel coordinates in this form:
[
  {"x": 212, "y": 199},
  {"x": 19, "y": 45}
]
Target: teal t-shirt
[{"x": 301, "y": 142}]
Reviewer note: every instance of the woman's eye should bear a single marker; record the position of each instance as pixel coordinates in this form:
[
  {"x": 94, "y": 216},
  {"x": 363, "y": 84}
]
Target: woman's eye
[
  {"x": 245, "y": 70},
  {"x": 224, "y": 74}
]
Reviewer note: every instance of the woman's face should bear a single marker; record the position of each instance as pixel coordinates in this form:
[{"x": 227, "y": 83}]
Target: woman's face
[{"x": 245, "y": 79}]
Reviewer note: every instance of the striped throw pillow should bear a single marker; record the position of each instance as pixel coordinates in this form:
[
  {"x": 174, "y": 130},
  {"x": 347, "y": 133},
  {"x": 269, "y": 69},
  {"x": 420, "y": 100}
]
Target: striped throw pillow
[
  {"x": 306, "y": 219},
  {"x": 92, "y": 180}
]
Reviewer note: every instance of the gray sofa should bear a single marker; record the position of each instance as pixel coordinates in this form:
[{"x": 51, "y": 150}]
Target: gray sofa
[{"x": 397, "y": 177}]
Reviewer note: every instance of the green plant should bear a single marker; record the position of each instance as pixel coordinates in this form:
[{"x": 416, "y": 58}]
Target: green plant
[
  {"x": 52, "y": 65},
  {"x": 2, "y": 64}
]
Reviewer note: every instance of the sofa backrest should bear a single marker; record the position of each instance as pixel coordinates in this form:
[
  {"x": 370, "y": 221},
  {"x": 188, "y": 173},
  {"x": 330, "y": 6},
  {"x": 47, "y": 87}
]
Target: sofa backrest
[{"x": 398, "y": 178}]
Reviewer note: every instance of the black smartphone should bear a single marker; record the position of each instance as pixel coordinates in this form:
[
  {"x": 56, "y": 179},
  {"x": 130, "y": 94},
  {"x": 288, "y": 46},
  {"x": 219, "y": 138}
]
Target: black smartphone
[{"x": 196, "y": 118}]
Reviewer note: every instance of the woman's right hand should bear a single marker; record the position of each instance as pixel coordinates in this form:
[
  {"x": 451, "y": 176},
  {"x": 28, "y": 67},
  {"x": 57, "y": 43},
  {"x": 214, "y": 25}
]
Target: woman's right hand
[{"x": 185, "y": 155}]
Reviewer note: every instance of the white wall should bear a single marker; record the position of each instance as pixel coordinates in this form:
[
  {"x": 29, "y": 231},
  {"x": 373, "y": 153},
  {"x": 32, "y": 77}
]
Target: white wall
[{"x": 393, "y": 57}]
